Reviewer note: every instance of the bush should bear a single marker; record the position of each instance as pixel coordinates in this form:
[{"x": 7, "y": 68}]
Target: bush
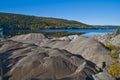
[
  {"x": 114, "y": 69},
  {"x": 113, "y": 52},
  {"x": 109, "y": 45}
]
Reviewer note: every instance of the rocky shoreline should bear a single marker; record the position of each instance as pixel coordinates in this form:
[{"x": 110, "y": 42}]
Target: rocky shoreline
[
  {"x": 109, "y": 37},
  {"x": 37, "y": 57}
]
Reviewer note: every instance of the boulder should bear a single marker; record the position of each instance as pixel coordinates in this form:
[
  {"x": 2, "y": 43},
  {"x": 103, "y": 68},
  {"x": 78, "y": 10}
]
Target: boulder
[
  {"x": 31, "y": 62},
  {"x": 109, "y": 37},
  {"x": 103, "y": 76},
  {"x": 90, "y": 49},
  {"x": 35, "y": 38}
]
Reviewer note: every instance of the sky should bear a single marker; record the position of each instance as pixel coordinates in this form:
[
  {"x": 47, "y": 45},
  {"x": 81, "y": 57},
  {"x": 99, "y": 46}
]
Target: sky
[{"x": 93, "y": 12}]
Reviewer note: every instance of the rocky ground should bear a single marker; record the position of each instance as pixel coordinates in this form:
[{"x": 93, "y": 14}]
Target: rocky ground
[
  {"x": 37, "y": 57},
  {"x": 112, "y": 38}
]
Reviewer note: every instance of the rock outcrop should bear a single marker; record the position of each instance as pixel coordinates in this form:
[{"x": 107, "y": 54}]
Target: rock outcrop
[
  {"x": 23, "y": 61},
  {"x": 112, "y": 38},
  {"x": 30, "y": 38},
  {"x": 103, "y": 76},
  {"x": 36, "y": 57},
  {"x": 89, "y": 48}
]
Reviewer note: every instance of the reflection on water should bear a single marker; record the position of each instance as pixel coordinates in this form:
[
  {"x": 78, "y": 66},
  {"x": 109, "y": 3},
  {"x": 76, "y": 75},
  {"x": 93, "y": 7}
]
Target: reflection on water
[
  {"x": 91, "y": 34},
  {"x": 79, "y": 30},
  {"x": 88, "y": 32}
]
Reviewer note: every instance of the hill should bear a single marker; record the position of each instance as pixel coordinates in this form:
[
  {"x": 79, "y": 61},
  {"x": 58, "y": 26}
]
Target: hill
[
  {"x": 10, "y": 21},
  {"x": 107, "y": 26}
]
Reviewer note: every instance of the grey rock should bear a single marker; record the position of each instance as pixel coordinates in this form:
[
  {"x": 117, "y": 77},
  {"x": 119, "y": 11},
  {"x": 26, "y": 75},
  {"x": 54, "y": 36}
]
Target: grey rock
[
  {"x": 31, "y": 62},
  {"x": 103, "y": 76}
]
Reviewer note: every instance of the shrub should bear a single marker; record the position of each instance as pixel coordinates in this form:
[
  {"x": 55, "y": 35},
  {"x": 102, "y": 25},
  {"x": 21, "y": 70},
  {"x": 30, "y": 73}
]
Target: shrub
[
  {"x": 114, "y": 53},
  {"x": 114, "y": 69},
  {"x": 109, "y": 45}
]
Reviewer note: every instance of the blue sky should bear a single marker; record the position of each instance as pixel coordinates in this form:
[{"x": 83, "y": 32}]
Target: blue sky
[{"x": 94, "y": 12}]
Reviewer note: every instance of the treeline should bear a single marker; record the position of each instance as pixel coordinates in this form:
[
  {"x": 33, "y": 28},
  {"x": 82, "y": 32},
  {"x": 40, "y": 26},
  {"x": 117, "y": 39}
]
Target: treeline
[
  {"x": 106, "y": 26},
  {"x": 10, "y": 21}
]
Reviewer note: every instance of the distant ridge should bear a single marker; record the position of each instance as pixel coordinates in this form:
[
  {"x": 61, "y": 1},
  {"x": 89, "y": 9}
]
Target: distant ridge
[
  {"x": 107, "y": 26},
  {"x": 18, "y": 21}
]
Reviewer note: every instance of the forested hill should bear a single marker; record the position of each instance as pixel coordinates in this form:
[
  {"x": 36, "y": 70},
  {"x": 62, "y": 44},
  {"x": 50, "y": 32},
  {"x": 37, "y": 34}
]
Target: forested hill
[{"x": 17, "y": 21}]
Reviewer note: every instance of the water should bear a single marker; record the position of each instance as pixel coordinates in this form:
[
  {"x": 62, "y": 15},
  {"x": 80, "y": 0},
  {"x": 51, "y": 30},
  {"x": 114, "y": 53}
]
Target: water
[
  {"x": 1, "y": 29},
  {"x": 88, "y": 32},
  {"x": 91, "y": 34},
  {"x": 79, "y": 30}
]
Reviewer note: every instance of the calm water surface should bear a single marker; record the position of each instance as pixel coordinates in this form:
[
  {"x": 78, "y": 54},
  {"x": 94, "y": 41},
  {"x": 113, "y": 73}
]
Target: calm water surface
[{"x": 88, "y": 32}]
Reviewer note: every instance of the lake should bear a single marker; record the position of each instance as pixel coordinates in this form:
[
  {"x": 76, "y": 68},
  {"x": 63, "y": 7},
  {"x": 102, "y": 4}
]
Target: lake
[
  {"x": 88, "y": 32},
  {"x": 79, "y": 30}
]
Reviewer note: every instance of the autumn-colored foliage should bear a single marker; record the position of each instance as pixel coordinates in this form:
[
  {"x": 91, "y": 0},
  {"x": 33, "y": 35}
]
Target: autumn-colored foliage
[
  {"x": 114, "y": 69},
  {"x": 109, "y": 45},
  {"x": 113, "y": 50},
  {"x": 23, "y": 22},
  {"x": 114, "y": 53}
]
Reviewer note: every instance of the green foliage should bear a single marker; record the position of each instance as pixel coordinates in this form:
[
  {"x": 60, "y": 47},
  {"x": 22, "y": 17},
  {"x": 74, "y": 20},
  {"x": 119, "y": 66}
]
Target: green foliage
[
  {"x": 60, "y": 34},
  {"x": 50, "y": 34},
  {"x": 17, "y": 22}
]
